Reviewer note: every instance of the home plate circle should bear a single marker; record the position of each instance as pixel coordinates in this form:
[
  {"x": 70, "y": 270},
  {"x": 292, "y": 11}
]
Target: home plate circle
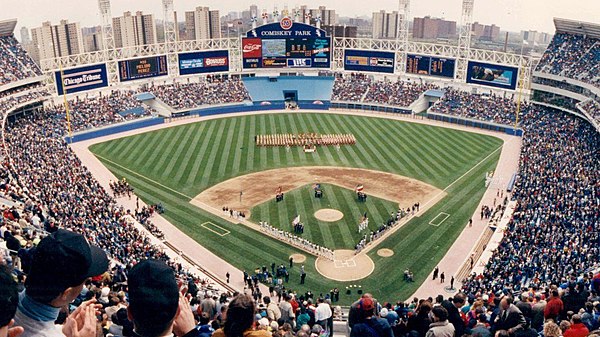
[
  {"x": 328, "y": 215},
  {"x": 346, "y": 266}
]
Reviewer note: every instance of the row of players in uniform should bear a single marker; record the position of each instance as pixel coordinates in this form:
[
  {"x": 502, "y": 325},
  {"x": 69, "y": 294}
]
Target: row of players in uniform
[{"x": 302, "y": 139}]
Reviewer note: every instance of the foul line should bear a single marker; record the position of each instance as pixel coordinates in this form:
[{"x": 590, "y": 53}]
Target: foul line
[
  {"x": 466, "y": 173},
  {"x": 144, "y": 177}
]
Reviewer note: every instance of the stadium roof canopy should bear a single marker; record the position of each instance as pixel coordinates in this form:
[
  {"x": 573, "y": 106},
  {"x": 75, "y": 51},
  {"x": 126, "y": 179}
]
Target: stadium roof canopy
[
  {"x": 577, "y": 27},
  {"x": 7, "y": 27}
]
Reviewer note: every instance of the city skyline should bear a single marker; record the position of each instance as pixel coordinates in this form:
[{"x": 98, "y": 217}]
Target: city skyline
[{"x": 511, "y": 15}]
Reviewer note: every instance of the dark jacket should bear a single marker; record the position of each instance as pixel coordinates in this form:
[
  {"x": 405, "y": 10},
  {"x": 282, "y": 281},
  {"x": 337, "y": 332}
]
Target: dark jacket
[
  {"x": 372, "y": 327},
  {"x": 454, "y": 318},
  {"x": 511, "y": 318}
]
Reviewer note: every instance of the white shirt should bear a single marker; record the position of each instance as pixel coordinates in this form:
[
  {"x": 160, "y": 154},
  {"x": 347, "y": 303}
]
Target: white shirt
[{"x": 322, "y": 312}]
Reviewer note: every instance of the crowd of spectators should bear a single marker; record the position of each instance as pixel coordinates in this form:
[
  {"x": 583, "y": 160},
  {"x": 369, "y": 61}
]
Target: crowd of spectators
[
  {"x": 553, "y": 233},
  {"x": 398, "y": 93},
  {"x": 487, "y": 107},
  {"x": 350, "y": 88},
  {"x": 573, "y": 56},
  {"x": 15, "y": 63},
  {"x": 592, "y": 107},
  {"x": 211, "y": 91}
]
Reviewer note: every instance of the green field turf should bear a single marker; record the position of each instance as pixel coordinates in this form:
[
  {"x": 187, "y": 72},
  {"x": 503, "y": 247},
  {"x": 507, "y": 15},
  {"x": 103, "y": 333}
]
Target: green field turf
[
  {"x": 175, "y": 164},
  {"x": 342, "y": 234}
]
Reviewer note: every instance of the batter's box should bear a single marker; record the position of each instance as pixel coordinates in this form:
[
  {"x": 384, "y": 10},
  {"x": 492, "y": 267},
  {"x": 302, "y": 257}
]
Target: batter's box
[
  {"x": 344, "y": 263},
  {"x": 220, "y": 231}
]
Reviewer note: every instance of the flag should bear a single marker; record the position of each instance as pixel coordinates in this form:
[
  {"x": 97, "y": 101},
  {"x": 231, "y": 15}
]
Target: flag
[
  {"x": 359, "y": 188},
  {"x": 296, "y": 220}
]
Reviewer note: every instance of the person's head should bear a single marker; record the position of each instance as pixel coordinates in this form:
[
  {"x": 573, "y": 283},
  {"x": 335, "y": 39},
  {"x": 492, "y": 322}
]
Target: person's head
[
  {"x": 153, "y": 298},
  {"x": 266, "y": 300},
  {"x": 425, "y": 308},
  {"x": 439, "y": 313},
  {"x": 204, "y": 318},
  {"x": 62, "y": 262},
  {"x": 240, "y": 316},
  {"x": 576, "y": 319},
  {"x": 459, "y": 300},
  {"x": 551, "y": 329},
  {"x": 366, "y": 307},
  {"x": 505, "y": 302},
  {"x": 9, "y": 298},
  {"x": 564, "y": 325}
]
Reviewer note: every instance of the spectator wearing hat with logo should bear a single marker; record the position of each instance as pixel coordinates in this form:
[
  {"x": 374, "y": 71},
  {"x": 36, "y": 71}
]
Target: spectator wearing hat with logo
[
  {"x": 368, "y": 324},
  {"x": 156, "y": 307},
  {"x": 62, "y": 262}
]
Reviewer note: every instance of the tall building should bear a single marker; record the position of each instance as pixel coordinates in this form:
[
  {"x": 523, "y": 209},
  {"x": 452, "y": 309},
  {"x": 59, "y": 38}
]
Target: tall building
[
  {"x": 433, "y": 28},
  {"x": 385, "y": 25},
  {"x": 485, "y": 32},
  {"x": 341, "y": 31},
  {"x": 134, "y": 30},
  {"x": 92, "y": 38},
  {"x": 534, "y": 37},
  {"x": 202, "y": 24},
  {"x": 25, "y": 35},
  {"x": 327, "y": 16},
  {"x": 58, "y": 40}
]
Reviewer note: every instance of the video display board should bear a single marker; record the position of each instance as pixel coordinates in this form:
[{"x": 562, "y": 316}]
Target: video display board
[
  {"x": 365, "y": 60},
  {"x": 493, "y": 75},
  {"x": 81, "y": 79},
  {"x": 430, "y": 65},
  {"x": 286, "y": 44},
  {"x": 203, "y": 62},
  {"x": 144, "y": 67}
]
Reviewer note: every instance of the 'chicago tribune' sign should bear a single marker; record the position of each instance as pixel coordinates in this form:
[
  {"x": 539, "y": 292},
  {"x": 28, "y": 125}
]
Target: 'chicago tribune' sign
[{"x": 81, "y": 79}]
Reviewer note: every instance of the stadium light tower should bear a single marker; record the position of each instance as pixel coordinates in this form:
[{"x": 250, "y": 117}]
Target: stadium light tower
[
  {"x": 108, "y": 38},
  {"x": 402, "y": 36},
  {"x": 464, "y": 39},
  {"x": 170, "y": 37}
]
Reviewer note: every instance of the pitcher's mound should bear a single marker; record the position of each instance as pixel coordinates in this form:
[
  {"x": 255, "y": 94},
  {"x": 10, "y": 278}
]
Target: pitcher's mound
[
  {"x": 346, "y": 266},
  {"x": 384, "y": 252},
  {"x": 298, "y": 258},
  {"x": 329, "y": 215}
]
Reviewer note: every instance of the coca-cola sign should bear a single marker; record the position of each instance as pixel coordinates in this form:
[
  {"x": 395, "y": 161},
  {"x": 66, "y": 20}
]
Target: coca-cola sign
[{"x": 252, "y": 48}]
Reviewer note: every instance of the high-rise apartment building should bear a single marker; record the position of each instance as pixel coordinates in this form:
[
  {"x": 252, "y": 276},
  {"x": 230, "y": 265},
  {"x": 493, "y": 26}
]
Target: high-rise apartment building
[
  {"x": 385, "y": 25},
  {"x": 202, "y": 24},
  {"x": 134, "y": 30},
  {"x": 433, "y": 28},
  {"x": 485, "y": 32},
  {"x": 57, "y": 40}
]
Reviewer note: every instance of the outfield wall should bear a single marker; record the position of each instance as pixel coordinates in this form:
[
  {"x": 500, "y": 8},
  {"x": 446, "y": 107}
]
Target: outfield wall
[
  {"x": 114, "y": 129},
  {"x": 509, "y": 130}
]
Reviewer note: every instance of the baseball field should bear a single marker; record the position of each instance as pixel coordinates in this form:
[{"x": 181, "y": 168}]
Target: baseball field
[{"x": 214, "y": 164}]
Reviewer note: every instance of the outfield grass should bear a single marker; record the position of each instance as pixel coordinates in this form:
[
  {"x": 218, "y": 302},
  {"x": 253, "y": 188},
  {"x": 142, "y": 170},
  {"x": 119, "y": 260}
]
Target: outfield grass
[
  {"x": 175, "y": 164},
  {"x": 342, "y": 234}
]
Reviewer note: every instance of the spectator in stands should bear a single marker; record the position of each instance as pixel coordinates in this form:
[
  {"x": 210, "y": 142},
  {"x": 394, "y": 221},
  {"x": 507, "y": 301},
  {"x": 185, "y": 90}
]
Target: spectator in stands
[
  {"x": 554, "y": 307},
  {"x": 368, "y": 324},
  {"x": 323, "y": 313},
  {"x": 156, "y": 307},
  {"x": 452, "y": 306},
  {"x": 511, "y": 318},
  {"x": 481, "y": 328},
  {"x": 240, "y": 319},
  {"x": 577, "y": 328},
  {"x": 418, "y": 324},
  {"x": 61, "y": 264},
  {"x": 440, "y": 327},
  {"x": 552, "y": 329},
  {"x": 9, "y": 298}
]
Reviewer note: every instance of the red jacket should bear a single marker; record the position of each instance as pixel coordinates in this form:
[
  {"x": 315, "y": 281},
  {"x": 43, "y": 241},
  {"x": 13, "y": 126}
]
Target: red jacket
[
  {"x": 553, "y": 308},
  {"x": 577, "y": 330}
]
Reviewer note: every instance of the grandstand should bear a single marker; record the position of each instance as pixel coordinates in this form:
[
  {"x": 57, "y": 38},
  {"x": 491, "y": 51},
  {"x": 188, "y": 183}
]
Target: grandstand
[{"x": 529, "y": 230}]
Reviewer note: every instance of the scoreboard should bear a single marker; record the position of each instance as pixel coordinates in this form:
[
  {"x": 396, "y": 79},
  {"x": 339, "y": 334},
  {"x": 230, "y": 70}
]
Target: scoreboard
[
  {"x": 145, "y": 67},
  {"x": 430, "y": 65},
  {"x": 286, "y": 44}
]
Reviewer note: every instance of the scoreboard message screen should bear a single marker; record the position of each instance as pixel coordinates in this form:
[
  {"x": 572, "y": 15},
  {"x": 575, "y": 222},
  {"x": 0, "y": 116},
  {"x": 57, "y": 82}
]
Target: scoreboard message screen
[
  {"x": 145, "y": 67},
  {"x": 430, "y": 65},
  {"x": 286, "y": 44},
  {"x": 366, "y": 60},
  {"x": 492, "y": 75}
]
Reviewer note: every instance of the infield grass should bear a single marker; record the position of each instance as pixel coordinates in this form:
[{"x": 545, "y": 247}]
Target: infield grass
[{"x": 175, "y": 164}]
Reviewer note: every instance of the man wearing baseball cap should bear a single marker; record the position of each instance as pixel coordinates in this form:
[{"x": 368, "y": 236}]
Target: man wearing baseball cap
[
  {"x": 62, "y": 262},
  {"x": 155, "y": 305}
]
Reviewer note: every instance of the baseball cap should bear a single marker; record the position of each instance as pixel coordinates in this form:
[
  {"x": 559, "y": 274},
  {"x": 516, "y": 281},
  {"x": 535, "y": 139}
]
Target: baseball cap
[
  {"x": 367, "y": 304},
  {"x": 153, "y": 293},
  {"x": 61, "y": 260}
]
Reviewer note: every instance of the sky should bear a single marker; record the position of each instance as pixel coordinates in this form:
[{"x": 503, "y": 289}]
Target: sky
[{"x": 510, "y": 15}]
